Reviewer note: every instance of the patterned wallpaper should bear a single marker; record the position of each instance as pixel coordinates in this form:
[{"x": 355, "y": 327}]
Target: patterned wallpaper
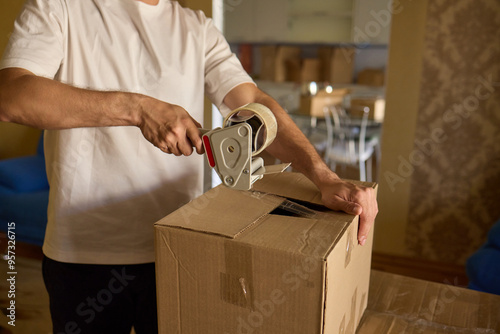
[{"x": 455, "y": 185}]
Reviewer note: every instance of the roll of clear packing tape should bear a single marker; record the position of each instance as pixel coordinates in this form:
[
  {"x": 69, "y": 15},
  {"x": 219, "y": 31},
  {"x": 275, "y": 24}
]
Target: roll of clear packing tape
[{"x": 262, "y": 121}]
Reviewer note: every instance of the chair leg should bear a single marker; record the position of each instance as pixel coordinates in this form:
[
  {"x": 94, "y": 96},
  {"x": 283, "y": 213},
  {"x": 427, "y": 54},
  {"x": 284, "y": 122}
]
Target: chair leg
[
  {"x": 362, "y": 171},
  {"x": 369, "y": 174},
  {"x": 378, "y": 155}
]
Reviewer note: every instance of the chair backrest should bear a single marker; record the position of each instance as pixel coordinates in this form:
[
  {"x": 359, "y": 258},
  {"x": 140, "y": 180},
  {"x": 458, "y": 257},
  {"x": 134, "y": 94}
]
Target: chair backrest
[{"x": 343, "y": 130}]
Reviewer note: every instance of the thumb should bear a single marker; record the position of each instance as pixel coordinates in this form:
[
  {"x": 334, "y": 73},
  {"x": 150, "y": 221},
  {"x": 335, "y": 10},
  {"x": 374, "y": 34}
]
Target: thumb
[{"x": 340, "y": 204}]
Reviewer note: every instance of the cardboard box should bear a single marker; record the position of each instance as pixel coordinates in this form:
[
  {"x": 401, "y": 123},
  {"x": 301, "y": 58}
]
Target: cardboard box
[
  {"x": 253, "y": 262},
  {"x": 376, "y": 105},
  {"x": 337, "y": 64},
  {"x": 399, "y": 304},
  {"x": 371, "y": 77},
  {"x": 303, "y": 70},
  {"x": 314, "y": 105},
  {"x": 273, "y": 61}
]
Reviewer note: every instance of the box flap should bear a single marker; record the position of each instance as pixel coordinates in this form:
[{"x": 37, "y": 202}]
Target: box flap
[
  {"x": 290, "y": 185},
  {"x": 224, "y": 216},
  {"x": 310, "y": 237}
]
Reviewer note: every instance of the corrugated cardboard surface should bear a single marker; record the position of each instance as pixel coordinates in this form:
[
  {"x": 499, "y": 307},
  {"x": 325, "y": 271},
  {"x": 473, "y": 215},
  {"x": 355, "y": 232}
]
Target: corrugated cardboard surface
[
  {"x": 228, "y": 262},
  {"x": 350, "y": 280},
  {"x": 399, "y": 304}
]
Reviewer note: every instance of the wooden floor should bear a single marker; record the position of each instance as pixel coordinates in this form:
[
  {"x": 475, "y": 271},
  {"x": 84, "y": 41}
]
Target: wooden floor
[
  {"x": 32, "y": 303},
  {"x": 31, "y": 299}
]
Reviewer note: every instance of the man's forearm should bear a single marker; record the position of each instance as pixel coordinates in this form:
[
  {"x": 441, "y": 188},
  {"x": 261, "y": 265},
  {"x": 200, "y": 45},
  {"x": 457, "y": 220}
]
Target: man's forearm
[{"x": 47, "y": 104}]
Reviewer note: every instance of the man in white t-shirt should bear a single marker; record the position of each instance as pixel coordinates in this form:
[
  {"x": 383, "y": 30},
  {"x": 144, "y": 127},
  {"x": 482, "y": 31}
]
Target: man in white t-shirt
[{"x": 102, "y": 76}]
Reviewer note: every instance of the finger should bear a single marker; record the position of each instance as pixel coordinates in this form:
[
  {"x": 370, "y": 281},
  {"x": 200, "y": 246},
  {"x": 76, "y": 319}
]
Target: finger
[
  {"x": 367, "y": 218},
  {"x": 184, "y": 143},
  {"x": 165, "y": 149},
  {"x": 174, "y": 143},
  {"x": 198, "y": 125},
  {"x": 193, "y": 134},
  {"x": 184, "y": 146},
  {"x": 363, "y": 230},
  {"x": 349, "y": 207},
  {"x": 172, "y": 148}
]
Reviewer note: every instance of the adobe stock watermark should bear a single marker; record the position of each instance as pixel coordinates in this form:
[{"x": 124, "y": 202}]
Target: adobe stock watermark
[
  {"x": 197, "y": 206},
  {"x": 88, "y": 309},
  {"x": 453, "y": 118}
]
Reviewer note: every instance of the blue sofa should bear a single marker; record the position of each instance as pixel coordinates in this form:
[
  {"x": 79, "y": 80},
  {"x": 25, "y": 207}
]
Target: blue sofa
[
  {"x": 24, "y": 196},
  {"x": 483, "y": 267}
]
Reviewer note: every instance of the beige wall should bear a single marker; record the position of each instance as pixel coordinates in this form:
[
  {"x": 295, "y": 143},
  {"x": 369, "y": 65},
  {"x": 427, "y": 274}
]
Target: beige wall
[
  {"x": 402, "y": 94},
  {"x": 15, "y": 140},
  {"x": 206, "y": 7}
]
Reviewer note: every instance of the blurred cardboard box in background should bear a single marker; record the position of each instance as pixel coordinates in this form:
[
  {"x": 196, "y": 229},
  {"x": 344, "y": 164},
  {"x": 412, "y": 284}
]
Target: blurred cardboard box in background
[
  {"x": 371, "y": 77},
  {"x": 314, "y": 105},
  {"x": 273, "y": 61},
  {"x": 303, "y": 70},
  {"x": 376, "y": 105},
  {"x": 337, "y": 64}
]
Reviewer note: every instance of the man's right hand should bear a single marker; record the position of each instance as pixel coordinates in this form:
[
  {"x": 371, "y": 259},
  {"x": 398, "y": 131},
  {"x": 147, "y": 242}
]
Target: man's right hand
[{"x": 169, "y": 127}]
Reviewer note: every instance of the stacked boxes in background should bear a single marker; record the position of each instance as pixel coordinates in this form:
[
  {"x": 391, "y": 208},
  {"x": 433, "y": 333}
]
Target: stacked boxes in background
[
  {"x": 260, "y": 262},
  {"x": 273, "y": 61},
  {"x": 337, "y": 64},
  {"x": 333, "y": 65},
  {"x": 303, "y": 70}
]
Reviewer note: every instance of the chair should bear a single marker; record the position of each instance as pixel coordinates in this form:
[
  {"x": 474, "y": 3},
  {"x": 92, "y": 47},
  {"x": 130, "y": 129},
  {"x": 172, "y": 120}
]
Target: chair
[
  {"x": 24, "y": 196},
  {"x": 348, "y": 143},
  {"x": 482, "y": 266}
]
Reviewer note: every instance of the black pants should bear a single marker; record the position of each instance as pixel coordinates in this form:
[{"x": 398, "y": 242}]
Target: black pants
[{"x": 95, "y": 299}]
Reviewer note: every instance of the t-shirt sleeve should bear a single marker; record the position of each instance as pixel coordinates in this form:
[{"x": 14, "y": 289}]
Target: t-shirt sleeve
[
  {"x": 223, "y": 70},
  {"x": 36, "y": 43}
]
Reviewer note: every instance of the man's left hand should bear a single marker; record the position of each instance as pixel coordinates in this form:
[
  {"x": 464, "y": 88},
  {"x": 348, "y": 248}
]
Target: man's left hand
[{"x": 344, "y": 196}]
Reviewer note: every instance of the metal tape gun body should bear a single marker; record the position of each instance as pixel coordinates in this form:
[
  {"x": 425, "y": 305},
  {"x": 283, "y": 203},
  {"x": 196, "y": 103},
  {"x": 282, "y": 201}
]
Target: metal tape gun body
[{"x": 232, "y": 150}]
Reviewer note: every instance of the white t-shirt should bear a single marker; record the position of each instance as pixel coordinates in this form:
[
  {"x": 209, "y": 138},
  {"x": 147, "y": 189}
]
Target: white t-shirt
[{"x": 108, "y": 185}]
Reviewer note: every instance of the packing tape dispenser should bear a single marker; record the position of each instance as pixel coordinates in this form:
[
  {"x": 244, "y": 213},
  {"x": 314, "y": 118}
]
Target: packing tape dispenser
[{"x": 232, "y": 150}]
